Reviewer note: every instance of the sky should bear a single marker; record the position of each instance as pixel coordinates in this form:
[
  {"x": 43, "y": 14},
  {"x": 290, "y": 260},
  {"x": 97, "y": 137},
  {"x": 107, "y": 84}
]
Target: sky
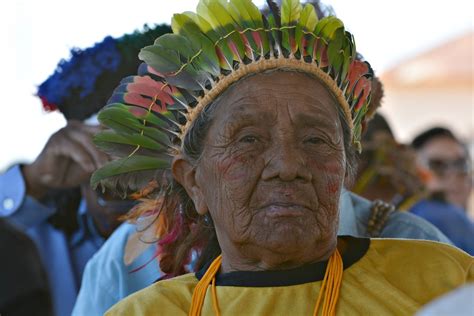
[{"x": 37, "y": 34}]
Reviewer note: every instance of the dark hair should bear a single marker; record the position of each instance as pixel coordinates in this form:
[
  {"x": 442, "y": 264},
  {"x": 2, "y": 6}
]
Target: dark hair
[
  {"x": 198, "y": 232},
  {"x": 421, "y": 139},
  {"x": 24, "y": 289},
  {"x": 369, "y": 154},
  {"x": 66, "y": 202},
  {"x": 377, "y": 124}
]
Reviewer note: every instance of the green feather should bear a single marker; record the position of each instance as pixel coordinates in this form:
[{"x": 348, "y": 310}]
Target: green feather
[
  {"x": 122, "y": 121},
  {"x": 272, "y": 24},
  {"x": 227, "y": 56},
  {"x": 105, "y": 138},
  {"x": 327, "y": 26},
  {"x": 216, "y": 14},
  {"x": 308, "y": 18},
  {"x": 171, "y": 55},
  {"x": 248, "y": 16},
  {"x": 207, "y": 60},
  {"x": 336, "y": 52},
  {"x": 127, "y": 165},
  {"x": 307, "y": 23},
  {"x": 243, "y": 21},
  {"x": 349, "y": 55},
  {"x": 290, "y": 14}
]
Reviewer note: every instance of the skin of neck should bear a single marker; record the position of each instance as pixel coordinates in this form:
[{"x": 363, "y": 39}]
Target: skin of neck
[{"x": 255, "y": 258}]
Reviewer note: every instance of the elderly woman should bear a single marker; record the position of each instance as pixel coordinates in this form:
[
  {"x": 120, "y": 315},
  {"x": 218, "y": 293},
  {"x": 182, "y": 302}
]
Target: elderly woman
[{"x": 261, "y": 117}]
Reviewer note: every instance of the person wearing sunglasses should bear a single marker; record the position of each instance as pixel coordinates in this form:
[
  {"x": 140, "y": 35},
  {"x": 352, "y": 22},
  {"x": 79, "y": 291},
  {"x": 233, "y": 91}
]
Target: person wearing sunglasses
[
  {"x": 447, "y": 160},
  {"x": 449, "y": 183}
]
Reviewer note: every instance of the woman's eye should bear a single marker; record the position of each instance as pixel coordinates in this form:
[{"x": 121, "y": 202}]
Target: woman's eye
[
  {"x": 313, "y": 140},
  {"x": 249, "y": 139}
]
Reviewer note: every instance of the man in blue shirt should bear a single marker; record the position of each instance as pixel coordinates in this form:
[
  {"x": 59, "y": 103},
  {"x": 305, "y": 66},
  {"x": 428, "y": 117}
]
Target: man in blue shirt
[
  {"x": 447, "y": 161},
  {"x": 450, "y": 220},
  {"x": 65, "y": 233},
  {"x": 449, "y": 185},
  {"x": 50, "y": 199}
]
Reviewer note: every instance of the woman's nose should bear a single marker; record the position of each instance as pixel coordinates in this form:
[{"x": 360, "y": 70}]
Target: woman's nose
[{"x": 286, "y": 162}]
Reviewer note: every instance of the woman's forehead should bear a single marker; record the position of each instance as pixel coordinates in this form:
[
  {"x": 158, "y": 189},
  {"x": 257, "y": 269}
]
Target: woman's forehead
[
  {"x": 285, "y": 80},
  {"x": 262, "y": 95}
]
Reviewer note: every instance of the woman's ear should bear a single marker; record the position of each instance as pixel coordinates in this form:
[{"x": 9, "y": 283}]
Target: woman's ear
[{"x": 185, "y": 174}]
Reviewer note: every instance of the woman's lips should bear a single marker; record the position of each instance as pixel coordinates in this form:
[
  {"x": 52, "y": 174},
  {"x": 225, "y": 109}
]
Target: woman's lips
[{"x": 284, "y": 210}]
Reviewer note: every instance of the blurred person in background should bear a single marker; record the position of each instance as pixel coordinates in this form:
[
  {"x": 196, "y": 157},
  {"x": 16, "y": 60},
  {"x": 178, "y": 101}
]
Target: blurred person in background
[
  {"x": 51, "y": 199},
  {"x": 446, "y": 161},
  {"x": 389, "y": 171},
  {"x": 24, "y": 286},
  {"x": 457, "y": 302}
]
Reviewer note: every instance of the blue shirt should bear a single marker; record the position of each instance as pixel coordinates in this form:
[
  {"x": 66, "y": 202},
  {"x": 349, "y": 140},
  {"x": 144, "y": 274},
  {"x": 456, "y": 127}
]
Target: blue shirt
[
  {"x": 449, "y": 219},
  {"x": 107, "y": 279},
  {"x": 63, "y": 258}
]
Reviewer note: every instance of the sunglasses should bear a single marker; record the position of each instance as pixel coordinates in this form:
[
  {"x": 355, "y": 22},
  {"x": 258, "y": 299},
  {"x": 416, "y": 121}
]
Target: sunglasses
[{"x": 442, "y": 167}]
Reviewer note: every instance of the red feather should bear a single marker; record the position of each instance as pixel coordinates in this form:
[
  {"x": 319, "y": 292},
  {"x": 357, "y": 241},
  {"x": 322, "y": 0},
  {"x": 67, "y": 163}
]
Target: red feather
[
  {"x": 145, "y": 92},
  {"x": 362, "y": 89},
  {"x": 356, "y": 70}
]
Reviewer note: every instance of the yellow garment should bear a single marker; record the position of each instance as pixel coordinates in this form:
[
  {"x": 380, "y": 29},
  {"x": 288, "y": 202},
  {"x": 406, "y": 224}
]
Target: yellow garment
[{"x": 394, "y": 277}]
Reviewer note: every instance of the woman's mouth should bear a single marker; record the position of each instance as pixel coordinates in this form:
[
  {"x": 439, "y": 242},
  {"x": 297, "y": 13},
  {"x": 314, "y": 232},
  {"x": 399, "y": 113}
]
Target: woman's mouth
[{"x": 284, "y": 209}]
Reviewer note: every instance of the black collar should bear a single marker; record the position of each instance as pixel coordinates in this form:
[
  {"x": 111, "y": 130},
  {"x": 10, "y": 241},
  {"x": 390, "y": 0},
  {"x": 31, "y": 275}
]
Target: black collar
[{"x": 356, "y": 249}]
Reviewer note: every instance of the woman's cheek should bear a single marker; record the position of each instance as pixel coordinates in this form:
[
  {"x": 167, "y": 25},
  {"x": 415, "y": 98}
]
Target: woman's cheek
[
  {"x": 328, "y": 176},
  {"x": 237, "y": 167}
]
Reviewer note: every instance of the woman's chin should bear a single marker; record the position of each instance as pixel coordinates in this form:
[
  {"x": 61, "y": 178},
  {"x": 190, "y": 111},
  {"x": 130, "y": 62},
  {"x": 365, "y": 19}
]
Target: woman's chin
[{"x": 290, "y": 237}]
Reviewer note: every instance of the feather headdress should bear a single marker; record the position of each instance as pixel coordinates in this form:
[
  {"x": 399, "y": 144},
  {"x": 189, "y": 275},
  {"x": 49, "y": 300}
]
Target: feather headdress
[{"x": 224, "y": 41}]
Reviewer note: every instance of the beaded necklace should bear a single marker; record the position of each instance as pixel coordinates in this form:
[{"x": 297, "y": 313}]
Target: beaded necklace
[{"x": 330, "y": 287}]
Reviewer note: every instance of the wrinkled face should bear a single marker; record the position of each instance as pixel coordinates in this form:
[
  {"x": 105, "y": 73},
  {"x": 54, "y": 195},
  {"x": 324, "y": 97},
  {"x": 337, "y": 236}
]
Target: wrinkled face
[
  {"x": 448, "y": 162},
  {"x": 273, "y": 164}
]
